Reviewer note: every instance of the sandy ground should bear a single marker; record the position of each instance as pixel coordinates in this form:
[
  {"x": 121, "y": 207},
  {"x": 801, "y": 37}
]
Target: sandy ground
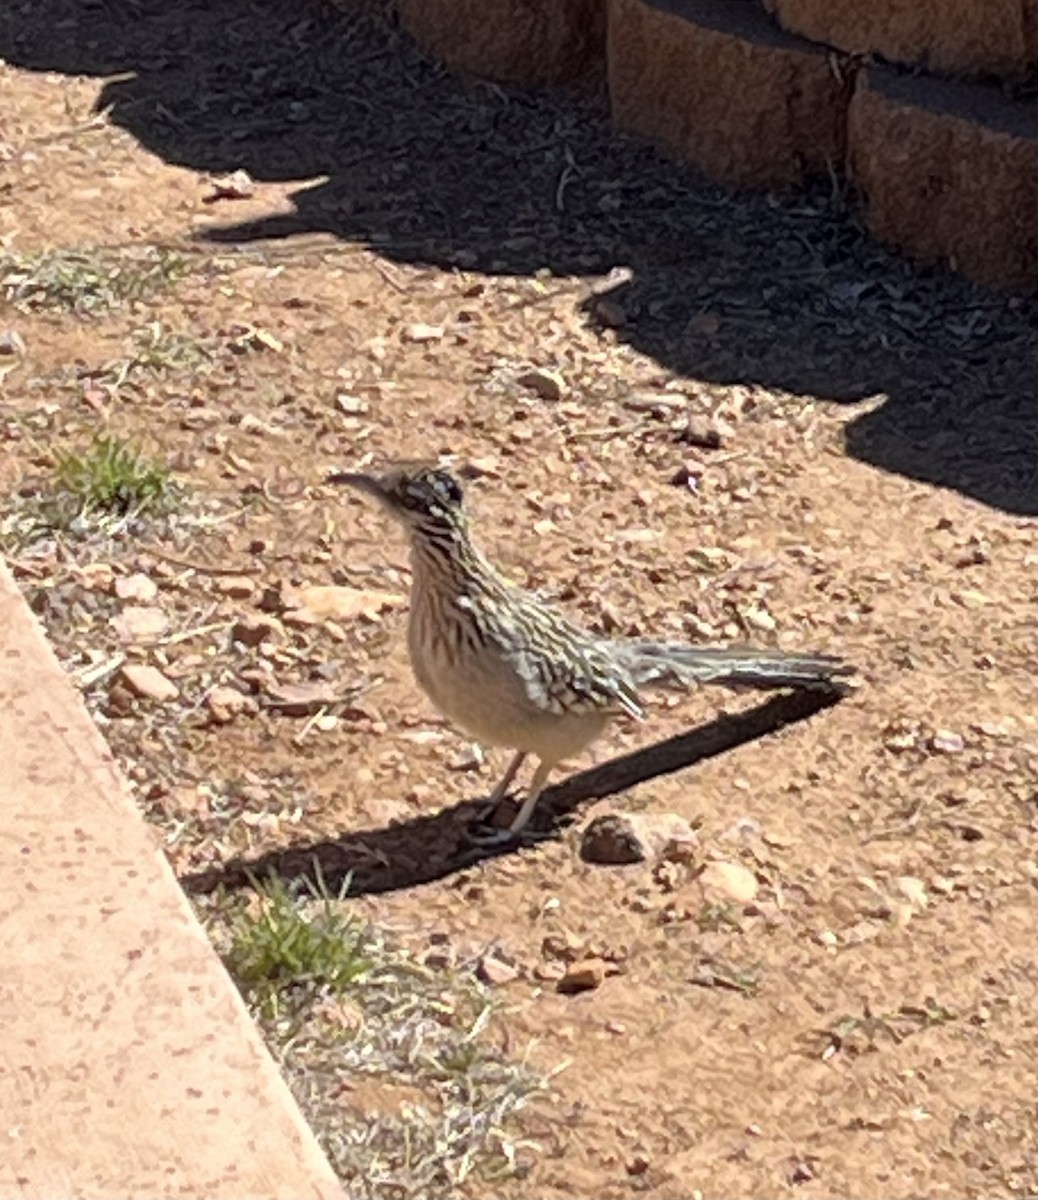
[{"x": 403, "y": 249}]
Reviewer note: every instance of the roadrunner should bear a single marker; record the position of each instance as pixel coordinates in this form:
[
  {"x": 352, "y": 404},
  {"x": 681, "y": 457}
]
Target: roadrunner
[{"x": 512, "y": 672}]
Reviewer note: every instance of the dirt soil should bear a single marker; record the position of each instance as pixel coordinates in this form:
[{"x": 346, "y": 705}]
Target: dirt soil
[{"x": 748, "y": 423}]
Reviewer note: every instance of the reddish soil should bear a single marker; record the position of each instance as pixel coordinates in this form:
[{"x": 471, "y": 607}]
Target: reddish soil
[{"x": 864, "y": 1027}]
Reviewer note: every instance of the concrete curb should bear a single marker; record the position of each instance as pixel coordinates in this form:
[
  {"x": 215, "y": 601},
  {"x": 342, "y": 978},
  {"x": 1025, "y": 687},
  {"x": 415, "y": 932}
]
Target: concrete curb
[{"x": 130, "y": 1066}]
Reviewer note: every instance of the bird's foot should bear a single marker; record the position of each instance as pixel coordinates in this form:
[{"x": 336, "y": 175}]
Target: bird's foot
[{"x": 494, "y": 837}]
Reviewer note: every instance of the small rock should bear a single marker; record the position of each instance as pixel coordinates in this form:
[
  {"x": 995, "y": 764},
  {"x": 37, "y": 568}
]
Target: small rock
[
  {"x": 496, "y": 971},
  {"x": 302, "y": 699},
  {"x": 565, "y": 947},
  {"x": 913, "y": 890},
  {"x": 148, "y": 683},
  {"x": 120, "y": 699},
  {"x": 328, "y": 602},
  {"x": 423, "y": 334},
  {"x": 238, "y": 587},
  {"x": 237, "y": 186},
  {"x": 256, "y": 628},
  {"x": 226, "y": 703},
  {"x": 301, "y": 618},
  {"x": 487, "y": 467},
  {"x": 187, "y": 801},
  {"x": 138, "y": 624},
  {"x": 352, "y": 406},
  {"x": 609, "y": 314},
  {"x": 699, "y": 431},
  {"x": 971, "y": 598},
  {"x": 661, "y": 403},
  {"x": 616, "y": 838},
  {"x": 800, "y": 1172},
  {"x": 469, "y": 759},
  {"x": 759, "y": 618},
  {"x": 12, "y": 342},
  {"x": 200, "y": 418},
  {"x": 946, "y": 741},
  {"x": 583, "y": 976},
  {"x": 637, "y": 1165},
  {"x": 94, "y": 576},
  {"x": 729, "y": 881},
  {"x": 250, "y": 423},
  {"x": 138, "y": 587},
  {"x": 687, "y": 476},
  {"x": 548, "y": 385}
]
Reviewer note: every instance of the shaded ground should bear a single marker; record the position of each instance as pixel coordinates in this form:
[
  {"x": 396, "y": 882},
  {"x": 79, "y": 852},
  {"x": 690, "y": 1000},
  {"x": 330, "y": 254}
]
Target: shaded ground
[
  {"x": 434, "y": 171},
  {"x": 872, "y": 1033}
]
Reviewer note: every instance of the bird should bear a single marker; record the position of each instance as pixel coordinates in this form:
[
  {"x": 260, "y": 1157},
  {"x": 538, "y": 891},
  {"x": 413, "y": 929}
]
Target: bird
[{"x": 513, "y": 672}]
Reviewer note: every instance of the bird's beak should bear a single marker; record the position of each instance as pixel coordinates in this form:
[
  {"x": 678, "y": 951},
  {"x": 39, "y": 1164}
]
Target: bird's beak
[{"x": 368, "y": 484}]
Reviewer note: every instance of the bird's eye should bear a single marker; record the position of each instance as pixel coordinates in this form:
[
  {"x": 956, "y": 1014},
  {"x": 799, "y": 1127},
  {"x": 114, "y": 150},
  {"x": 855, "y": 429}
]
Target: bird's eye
[{"x": 450, "y": 488}]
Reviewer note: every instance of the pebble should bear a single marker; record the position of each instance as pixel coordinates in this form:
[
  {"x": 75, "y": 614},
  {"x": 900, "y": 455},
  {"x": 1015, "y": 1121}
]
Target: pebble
[
  {"x": 946, "y": 741},
  {"x": 302, "y": 699},
  {"x": 148, "y": 683},
  {"x": 496, "y": 971},
  {"x": 200, "y": 418},
  {"x": 256, "y": 628},
  {"x": 548, "y": 385},
  {"x": 12, "y": 342},
  {"x": 583, "y": 976},
  {"x": 321, "y": 602},
  {"x": 238, "y": 587},
  {"x": 237, "y": 186},
  {"x": 139, "y": 588},
  {"x": 687, "y": 476},
  {"x": 729, "y": 881},
  {"x": 698, "y": 430},
  {"x": 660, "y": 403},
  {"x": 352, "y": 406},
  {"x": 609, "y": 314},
  {"x": 140, "y": 623},
  {"x": 913, "y": 890},
  {"x": 423, "y": 334},
  {"x": 618, "y": 838},
  {"x": 567, "y": 946},
  {"x": 226, "y": 703}
]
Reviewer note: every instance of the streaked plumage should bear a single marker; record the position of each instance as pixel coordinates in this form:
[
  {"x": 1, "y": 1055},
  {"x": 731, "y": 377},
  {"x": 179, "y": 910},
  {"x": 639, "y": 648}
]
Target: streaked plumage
[{"x": 513, "y": 672}]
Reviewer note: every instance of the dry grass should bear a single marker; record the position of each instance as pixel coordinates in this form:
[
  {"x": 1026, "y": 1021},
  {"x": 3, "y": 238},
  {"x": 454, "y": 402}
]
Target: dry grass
[
  {"x": 341, "y": 1005},
  {"x": 103, "y": 489},
  {"x": 86, "y": 281}
]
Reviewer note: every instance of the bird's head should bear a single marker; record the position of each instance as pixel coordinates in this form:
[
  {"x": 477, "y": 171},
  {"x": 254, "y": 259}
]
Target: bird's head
[{"x": 425, "y": 499}]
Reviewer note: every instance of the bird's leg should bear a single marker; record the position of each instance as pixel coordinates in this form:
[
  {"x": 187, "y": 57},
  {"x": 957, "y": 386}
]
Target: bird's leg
[
  {"x": 517, "y": 831},
  {"x": 498, "y": 794},
  {"x": 533, "y": 794}
]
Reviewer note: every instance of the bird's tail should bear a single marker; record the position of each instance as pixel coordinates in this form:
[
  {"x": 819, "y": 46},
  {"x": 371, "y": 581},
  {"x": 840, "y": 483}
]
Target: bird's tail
[{"x": 683, "y": 665}]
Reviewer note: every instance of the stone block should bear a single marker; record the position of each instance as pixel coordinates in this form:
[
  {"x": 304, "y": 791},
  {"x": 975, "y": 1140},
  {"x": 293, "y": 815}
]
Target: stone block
[
  {"x": 717, "y": 83},
  {"x": 949, "y": 172},
  {"x": 512, "y": 41},
  {"x": 951, "y": 36}
]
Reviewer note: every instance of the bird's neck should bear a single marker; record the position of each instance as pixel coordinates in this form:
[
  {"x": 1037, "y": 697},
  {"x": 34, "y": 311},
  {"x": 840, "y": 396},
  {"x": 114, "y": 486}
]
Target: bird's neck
[{"x": 448, "y": 560}]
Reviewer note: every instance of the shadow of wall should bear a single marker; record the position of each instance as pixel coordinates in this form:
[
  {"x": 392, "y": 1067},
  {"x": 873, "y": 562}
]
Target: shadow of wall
[{"x": 427, "y": 167}]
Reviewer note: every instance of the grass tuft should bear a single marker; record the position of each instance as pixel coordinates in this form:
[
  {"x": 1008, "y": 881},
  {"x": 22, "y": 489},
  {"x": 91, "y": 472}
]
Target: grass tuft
[
  {"x": 392, "y": 1060},
  {"x": 97, "y": 491},
  {"x": 113, "y": 477},
  {"x": 276, "y": 946},
  {"x": 86, "y": 281}
]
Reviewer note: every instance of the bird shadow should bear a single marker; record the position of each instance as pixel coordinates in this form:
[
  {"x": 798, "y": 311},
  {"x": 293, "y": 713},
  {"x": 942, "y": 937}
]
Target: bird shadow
[{"x": 435, "y": 846}]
